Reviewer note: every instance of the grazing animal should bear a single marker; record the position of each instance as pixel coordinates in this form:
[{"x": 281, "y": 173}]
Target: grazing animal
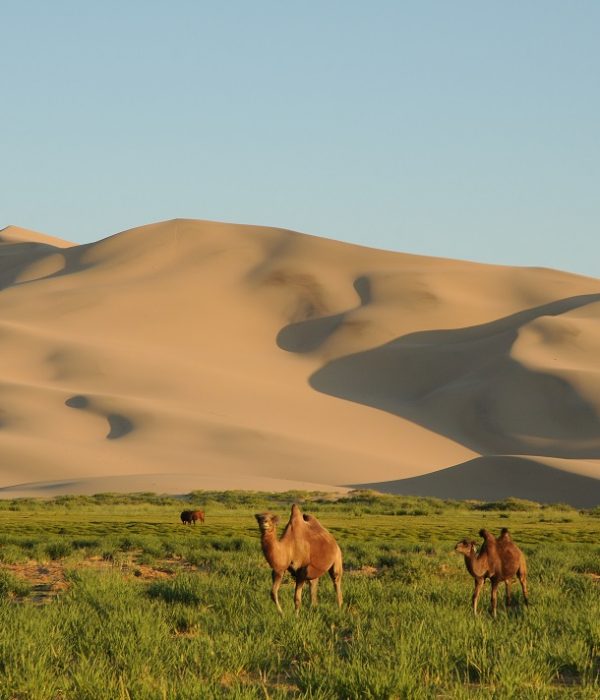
[
  {"x": 513, "y": 564},
  {"x": 499, "y": 560},
  {"x": 477, "y": 565},
  {"x": 306, "y": 549},
  {"x": 189, "y": 517}
]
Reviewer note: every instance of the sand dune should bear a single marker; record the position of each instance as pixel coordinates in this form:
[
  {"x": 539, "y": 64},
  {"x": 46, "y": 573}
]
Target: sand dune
[
  {"x": 191, "y": 352},
  {"x": 498, "y": 478}
]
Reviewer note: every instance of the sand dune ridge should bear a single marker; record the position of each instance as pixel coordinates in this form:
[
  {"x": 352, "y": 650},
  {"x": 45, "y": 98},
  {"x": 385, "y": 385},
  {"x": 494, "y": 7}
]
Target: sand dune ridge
[{"x": 241, "y": 353}]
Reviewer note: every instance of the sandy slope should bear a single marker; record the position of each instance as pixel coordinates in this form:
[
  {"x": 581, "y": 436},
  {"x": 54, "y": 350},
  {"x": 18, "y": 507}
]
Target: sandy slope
[{"x": 241, "y": 355}]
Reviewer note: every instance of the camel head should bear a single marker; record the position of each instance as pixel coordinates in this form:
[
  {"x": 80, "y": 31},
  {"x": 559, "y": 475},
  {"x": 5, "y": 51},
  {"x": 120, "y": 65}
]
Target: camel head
[
  {"x": 267, "y": 522},
  {"x": 465, "y": 547}
]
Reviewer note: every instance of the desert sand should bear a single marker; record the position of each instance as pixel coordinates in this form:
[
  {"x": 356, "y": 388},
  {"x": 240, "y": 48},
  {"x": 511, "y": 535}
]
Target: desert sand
[{"x": 192, "y": 354}]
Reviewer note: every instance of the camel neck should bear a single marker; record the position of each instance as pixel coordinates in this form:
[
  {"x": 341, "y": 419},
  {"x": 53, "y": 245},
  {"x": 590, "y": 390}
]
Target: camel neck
[
  {"x": 272, "y": 548},
  {"x": 472, "y": 563}
]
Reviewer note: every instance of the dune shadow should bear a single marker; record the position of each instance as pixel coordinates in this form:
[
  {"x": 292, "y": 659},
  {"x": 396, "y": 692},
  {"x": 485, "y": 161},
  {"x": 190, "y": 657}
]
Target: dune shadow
[
  {"x": 463, "y": 383},
  {"x": 496, "y": 478},
  {"x": 308, "y": 335},
  {"x": 119, "y": 426},
  {"x": 17, "y": 257},
  {"x": 78, "y": 401}
]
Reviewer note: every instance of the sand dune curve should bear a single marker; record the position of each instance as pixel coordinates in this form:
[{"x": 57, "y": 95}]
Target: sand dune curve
[{"x": 189, "y": 352}]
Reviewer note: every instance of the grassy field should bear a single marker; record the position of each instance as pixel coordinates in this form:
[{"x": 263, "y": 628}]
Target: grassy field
[{"x": 110, "y": 597}]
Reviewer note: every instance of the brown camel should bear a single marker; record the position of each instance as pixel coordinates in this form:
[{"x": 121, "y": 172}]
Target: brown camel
[
  {"x": 306, "y": 549},
  {"x": 477, "y": 564},
  {"x": 513, "y": 564},
  {"x": 499, "y": 560}
]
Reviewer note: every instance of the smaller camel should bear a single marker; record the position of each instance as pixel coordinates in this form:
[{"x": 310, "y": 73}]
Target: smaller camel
[
  {"x": 477, "y": 565},
  {"x": 306, "y": 549},
  {"x": 499, "y": 560},
  {"x": 189, "y": 517}
]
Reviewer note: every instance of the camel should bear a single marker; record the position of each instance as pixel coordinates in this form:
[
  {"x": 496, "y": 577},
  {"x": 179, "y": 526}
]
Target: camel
[
  {"x": 499, "y": 560},
  {"x": 189, "y": 517},
  {"x": 513, "y": 564},
  {"x": 306, "y": 549},
  {"x": 477, "y": 565}
]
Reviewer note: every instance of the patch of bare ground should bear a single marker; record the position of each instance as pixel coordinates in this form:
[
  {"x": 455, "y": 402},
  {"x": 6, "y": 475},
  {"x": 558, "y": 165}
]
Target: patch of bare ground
[{"x": 48, "y": 579}]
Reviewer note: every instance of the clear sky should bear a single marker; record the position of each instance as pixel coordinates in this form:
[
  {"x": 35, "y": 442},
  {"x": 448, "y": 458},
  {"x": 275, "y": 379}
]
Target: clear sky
[{"x": 459, "y": 129}]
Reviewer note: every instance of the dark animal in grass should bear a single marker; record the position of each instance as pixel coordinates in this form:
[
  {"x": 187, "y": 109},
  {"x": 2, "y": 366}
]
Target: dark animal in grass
[
  {"x": 190, "y": 517},
  {"x": 499, "y": 560},
  {"x": 306, "y": 549}
]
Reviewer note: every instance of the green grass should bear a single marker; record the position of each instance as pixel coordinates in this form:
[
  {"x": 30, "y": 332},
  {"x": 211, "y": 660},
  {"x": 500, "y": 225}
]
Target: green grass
[{"x": 154, "y": 609}]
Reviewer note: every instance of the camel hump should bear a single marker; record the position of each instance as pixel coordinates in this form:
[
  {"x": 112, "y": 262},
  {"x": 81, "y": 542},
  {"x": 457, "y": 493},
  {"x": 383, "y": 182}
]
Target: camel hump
[
  {"x": 296, "y": 514},
  {"x": 505, "y": 534},
  {"x": 487, "y": 535},
  {"x": 316, "y": 530}
]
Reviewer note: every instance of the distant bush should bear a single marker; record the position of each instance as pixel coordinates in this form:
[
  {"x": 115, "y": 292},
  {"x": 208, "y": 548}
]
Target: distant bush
[
  {"x": 562, "y": 507},
  {"x": 83, "y": 543},
  {"x": 514, "y": 504},
  {"x": 115, "y": 499},
  {"x": 231, "y": 544}
]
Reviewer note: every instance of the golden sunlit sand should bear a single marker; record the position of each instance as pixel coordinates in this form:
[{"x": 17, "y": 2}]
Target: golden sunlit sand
[{"x": 191, "y": 354}]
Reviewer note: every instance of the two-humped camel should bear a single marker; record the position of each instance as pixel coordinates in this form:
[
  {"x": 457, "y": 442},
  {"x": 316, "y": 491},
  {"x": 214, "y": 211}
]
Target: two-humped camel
[
  {"x": 306, "y": 549},
  {"x": 499, "y": 560}
]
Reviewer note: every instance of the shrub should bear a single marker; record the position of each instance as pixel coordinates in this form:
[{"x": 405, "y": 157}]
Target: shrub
[
  {"x": 514, "y": 504},
  {"x": 11, "y": 554},
  {"x": 231, "y": 544},
  {"x": 181, "y": 589},
  {"x": 10, "y": 585},
  {"x": 58, "y": 549}
]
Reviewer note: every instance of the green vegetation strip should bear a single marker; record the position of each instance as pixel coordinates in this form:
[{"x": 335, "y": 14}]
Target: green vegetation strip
[{"x": 110, "y": 597}]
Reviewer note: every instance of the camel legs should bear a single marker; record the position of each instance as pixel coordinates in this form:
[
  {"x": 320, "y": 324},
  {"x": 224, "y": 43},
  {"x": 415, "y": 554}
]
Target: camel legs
[
  {"x": 476, "y": 592},
  {"x": 522, "y": 576},
  {"x": 336, "y": 576},
  {"x": 314, "y": 585},
  {"x": 507, "y": 591},
  {"x": 495, "y": 585},
  {"x": 276, "y": 576},
  {"x": 298, "y": 593}
]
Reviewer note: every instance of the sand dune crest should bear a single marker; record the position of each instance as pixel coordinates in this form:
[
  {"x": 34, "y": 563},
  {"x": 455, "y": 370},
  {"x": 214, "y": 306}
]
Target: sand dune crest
[{"x": 244, "y": 355}]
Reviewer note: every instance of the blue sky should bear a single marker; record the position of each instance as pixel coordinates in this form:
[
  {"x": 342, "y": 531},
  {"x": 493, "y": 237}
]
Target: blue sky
[{"x": 465, "y": 129}]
